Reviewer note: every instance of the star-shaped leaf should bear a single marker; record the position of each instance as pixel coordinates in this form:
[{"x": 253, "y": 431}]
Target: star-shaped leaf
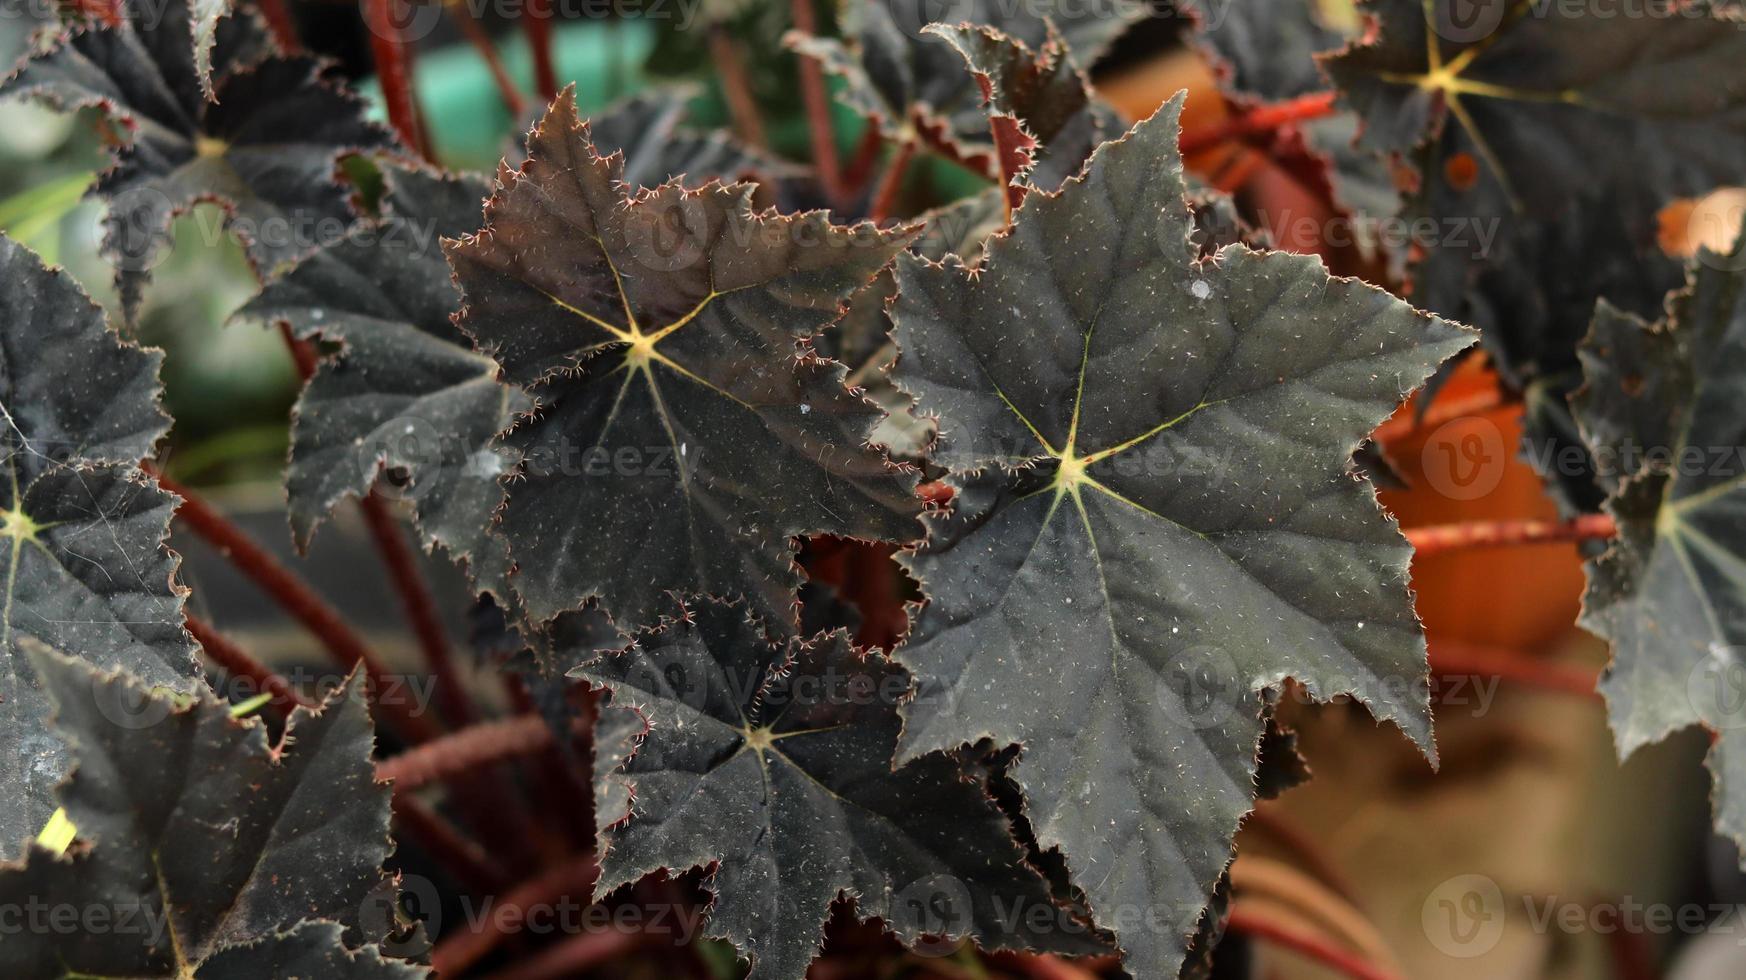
[
  {"x": 408, "y": 391},
  {"x": 266, "y": 149},
  {"x": 199, "y": 837},
  {"x": 772, "y": 762},
  {"x": 1155, "y": 518},
  {"x": 1662, "y": 409},
  {"x": 82, "y": 529},
  {"x": 685, "y": 433},
  {"x": 910, "y": 82},
  {"x": 862, "y": 338},
  {"x": 1498, "y": 103}
]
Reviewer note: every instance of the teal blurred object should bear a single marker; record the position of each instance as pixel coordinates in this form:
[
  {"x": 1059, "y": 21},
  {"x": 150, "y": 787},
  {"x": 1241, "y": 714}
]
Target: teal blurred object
[
  {"x": 472, "y": 130},
  {"x": 470, "y": 126}
]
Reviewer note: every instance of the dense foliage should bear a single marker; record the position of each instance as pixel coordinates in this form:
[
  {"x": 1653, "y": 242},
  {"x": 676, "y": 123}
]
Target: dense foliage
[{"x": 1103, "y": 453}]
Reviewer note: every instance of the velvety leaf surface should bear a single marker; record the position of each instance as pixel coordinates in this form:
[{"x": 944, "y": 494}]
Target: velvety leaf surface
[
  {"x": 313, "y": 950},
  {"x": 962, "y": 227},
  {"x": 86, "y": 569},
  {"x": 266, "y": 149},
  {"x": 903, "y": 78},
  {"x": 1661, "y": 408},
  {"x": 408, "y": 391},
  {"x": 774, "y": 762},
  {"x": 617, "y": 730},
  {"x": 684, "y": 432},
  {"x": 195, "y": 834},
  {"x": 1155, "y": 518},
  {"x": 1498, "y": 105},
  {"x": 1266, "y": 49},
  {"x": 1042, "y": 93},
  {"x": 861, "y": 339},
  {"x": 649, "y": 130}
]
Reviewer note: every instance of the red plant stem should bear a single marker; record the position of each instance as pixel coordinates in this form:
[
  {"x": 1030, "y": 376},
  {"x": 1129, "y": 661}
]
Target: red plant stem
[
  {"x": 240, "y": 663},
  {"x": 489, "y": 802},
  {"x": 1315, "y": 947},
  {"x": 481, "y": 41},
  {"x": 736, "y": 86},
  {"x": 1268, "y": 820},
  {"x": 1450, "y": 659},
  {"x": 536, "y": 24},
  {"x": 885, "y": 197},
  {"x": 1260, "y": 119},
  {"x": 1040, "y": 966},
  {"x": 816, "y": 96},
  {"x": 1438, "y": 538},
  {"x": 461, "y": 752},
  {"x": 303, "y": 353},
  {"x": 1440, "y": 412},
  {"x": 394, "y": 71},
  {"x": 295, "y": 596},
  {"x": 1241, "y": 165},
  {"x": 460, "y": 949},
  {"x": 861, "y": 164},
  {"x": 1634, "y": 955},
  {"x": 420, "y": 608},
  {"x": 280, "y": 22},
  {"x": 575, "y": 956},
  {"x": 667, "y": 891},
  {"x": 1012, "y": 150},
  {"x": 103, "y": 11},
  {"x": 562, "y": 786},
  {"x": 456, "y": 852}
]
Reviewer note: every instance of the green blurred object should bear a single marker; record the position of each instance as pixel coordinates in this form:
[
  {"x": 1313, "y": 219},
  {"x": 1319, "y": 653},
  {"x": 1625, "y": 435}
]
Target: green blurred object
[
  {"x": 31, "y": 214},
  {"x": 195, "y": 463}
]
